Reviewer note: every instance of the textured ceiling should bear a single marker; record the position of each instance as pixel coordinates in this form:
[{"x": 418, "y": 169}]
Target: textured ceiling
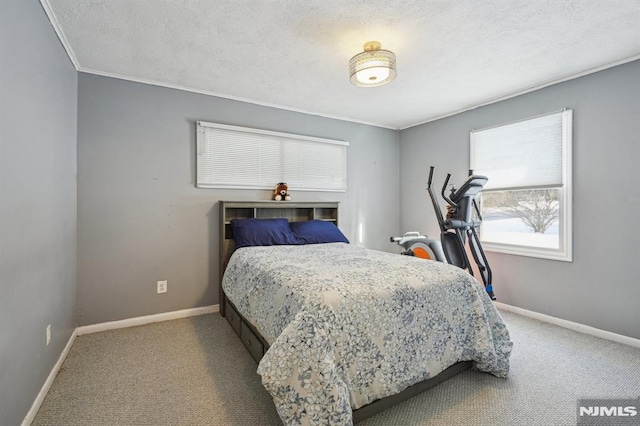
[{"x": 451, "y": 55}]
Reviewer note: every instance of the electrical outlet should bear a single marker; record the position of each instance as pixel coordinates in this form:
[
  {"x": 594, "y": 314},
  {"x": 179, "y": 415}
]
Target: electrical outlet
[
  {"x": 48, "y": 334},
  {"x": 162, "y": 286}
]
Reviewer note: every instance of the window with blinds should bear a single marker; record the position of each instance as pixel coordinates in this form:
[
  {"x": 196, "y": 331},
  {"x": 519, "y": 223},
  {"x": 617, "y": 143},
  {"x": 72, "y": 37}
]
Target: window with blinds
[
  {"x": 526, "y": 203},
  {"x": 239, "y": 157}
]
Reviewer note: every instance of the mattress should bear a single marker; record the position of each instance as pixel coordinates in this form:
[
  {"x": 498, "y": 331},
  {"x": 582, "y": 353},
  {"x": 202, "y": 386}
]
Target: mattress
[{"x": 349, "y": 325}]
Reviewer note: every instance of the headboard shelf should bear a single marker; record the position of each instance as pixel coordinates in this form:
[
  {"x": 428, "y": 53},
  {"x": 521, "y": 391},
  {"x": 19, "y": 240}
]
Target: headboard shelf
[{"x": 294, "y": 211}]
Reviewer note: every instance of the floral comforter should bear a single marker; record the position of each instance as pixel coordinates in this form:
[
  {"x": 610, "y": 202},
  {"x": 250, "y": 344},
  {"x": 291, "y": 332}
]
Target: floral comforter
[{"x": 349, "y": 325}]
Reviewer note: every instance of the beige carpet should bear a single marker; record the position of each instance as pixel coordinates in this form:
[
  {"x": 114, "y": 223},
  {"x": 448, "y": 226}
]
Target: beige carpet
[{"x": 195, "y": 371}]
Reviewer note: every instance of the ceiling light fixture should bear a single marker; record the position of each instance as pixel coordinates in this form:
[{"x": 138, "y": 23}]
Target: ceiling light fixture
[{"x": 373, "y": 67}]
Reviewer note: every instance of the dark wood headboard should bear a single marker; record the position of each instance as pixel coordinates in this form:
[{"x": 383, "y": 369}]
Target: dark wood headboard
[{"x": 293, "y": 211}]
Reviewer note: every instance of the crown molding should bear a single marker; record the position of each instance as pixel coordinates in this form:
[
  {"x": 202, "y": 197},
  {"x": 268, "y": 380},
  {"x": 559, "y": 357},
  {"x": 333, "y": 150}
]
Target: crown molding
[{"x": 56, "y": 26}]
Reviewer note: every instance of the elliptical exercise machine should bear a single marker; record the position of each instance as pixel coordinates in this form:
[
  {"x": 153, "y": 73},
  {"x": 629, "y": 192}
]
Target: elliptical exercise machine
[{"x": 460, "y": 226}]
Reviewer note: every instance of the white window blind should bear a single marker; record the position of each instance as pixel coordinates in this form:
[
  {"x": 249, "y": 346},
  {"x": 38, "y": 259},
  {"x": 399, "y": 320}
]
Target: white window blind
[
  {"x": 528, "y": 153},
  {"x": 239, "y": 157}
]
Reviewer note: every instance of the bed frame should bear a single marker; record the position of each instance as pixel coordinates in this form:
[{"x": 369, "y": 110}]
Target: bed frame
[{"x": 250, "y": 337}]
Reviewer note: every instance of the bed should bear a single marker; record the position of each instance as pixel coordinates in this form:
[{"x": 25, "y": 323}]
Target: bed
[{"x": 341, "y": 332}]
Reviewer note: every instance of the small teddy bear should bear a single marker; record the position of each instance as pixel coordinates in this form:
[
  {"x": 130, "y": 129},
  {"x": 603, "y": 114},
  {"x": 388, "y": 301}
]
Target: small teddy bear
[{"x": 280, "y": 193}]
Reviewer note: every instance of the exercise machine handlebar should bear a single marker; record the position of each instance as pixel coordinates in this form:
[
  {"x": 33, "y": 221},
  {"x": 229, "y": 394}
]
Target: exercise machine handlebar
[
  {"x": 434, "y": 200},
  {"x": 444, "y": 188}
]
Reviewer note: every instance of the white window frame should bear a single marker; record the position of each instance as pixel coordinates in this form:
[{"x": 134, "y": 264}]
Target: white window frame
[
  {"x": 565, "y": 195},
  {"x": 318, "y": 164}
]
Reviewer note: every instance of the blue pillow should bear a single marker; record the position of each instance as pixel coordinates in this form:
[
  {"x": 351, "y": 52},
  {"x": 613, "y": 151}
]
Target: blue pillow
[
  {"x": 262, "y": 232},
  {"x": 317, "y": 231}
]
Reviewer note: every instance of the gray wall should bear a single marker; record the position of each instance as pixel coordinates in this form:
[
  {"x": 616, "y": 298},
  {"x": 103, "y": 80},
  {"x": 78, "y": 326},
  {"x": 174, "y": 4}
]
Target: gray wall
[
  {"x": 600, "y": 288},
  {"x": 38, "y": 95},
  {"x": 140, "y": 217}
]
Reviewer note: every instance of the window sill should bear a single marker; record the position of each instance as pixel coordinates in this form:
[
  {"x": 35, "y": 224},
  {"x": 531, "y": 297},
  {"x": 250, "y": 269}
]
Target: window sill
[{"x": 541, "y": 253}]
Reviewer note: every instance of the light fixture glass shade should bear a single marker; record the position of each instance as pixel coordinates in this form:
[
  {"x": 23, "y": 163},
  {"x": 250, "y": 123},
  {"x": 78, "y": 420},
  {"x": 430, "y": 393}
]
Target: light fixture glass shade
[{"x": 373, "y": 67}]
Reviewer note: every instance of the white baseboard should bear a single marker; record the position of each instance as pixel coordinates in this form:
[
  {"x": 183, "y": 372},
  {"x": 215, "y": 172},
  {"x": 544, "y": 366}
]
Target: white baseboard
[
  {"x": 147, "y": 319},
  {"x": 112, "y": 325},
  {"x": 581, "y": 328},
  {"x": 47, "y": 384}
]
